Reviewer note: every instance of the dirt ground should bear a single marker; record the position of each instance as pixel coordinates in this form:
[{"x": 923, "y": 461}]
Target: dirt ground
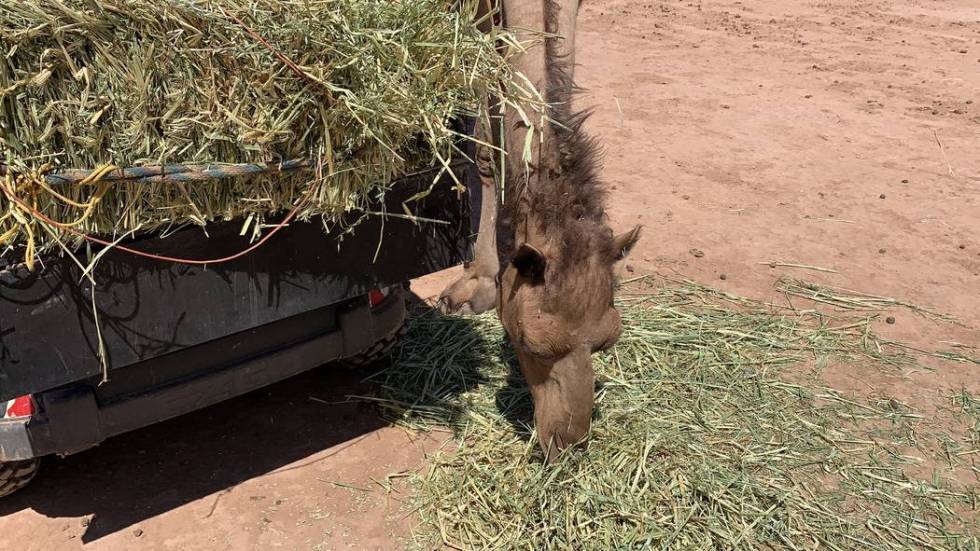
[{"x": 841, "y": 134}]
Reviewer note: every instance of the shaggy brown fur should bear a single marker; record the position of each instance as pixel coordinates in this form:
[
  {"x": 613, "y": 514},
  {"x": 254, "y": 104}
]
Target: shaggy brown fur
[
  {"x": 556, "y": 250},
  {"x": 555, "y": 295},
  {"x": 565, "y": 196}
]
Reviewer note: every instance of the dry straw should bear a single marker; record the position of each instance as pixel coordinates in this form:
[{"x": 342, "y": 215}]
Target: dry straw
[{"x": 366, "y": 88}]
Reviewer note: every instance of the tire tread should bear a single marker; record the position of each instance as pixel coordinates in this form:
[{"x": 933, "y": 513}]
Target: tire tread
[{"x": 17, "y": 474}]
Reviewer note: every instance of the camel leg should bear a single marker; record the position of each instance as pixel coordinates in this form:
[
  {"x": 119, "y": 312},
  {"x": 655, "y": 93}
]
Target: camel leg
[{"x": 475, "y": 290}]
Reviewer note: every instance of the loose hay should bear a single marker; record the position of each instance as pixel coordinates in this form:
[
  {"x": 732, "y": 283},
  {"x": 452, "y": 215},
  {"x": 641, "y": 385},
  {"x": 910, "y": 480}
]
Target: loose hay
[
  {"x": 846, "y": 299},
  {"x": 367, "y": 88},
  {"x": 700, "y": 440}
]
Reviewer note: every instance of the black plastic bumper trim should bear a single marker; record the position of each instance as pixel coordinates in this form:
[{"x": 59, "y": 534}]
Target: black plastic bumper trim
[{"x": 71, "y": 420}]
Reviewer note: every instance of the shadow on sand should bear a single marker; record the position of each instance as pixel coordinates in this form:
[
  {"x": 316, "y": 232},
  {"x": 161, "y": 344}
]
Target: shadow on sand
[{"x": 142, "y": 474}]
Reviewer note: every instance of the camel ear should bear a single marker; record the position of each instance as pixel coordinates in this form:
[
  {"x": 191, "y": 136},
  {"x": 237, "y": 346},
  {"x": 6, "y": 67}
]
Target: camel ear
[
  {"x": 530, "y": 262},
  {"x": 624, "y": 243}
]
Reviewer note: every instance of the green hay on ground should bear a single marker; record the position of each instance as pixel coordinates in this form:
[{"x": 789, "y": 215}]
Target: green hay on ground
[
  {"x": 848, "y": 300},
  {"x": 701, "y": 439},
  {"x": 368, "y": 93}
]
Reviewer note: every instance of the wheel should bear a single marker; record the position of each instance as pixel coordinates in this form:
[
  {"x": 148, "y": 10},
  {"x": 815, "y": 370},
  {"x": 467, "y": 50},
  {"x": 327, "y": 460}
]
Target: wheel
[
  {"x": 378, "y": 351},
  {"x": 17, "y": 474}
]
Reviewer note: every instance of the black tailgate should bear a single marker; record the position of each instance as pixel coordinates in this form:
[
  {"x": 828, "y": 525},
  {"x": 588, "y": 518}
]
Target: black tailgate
[{"x": 147, "y": 308}]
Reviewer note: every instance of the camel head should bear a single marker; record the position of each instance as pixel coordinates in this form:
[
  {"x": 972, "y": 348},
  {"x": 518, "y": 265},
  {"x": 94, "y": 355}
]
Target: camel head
[{"x": 556, "y": 305}]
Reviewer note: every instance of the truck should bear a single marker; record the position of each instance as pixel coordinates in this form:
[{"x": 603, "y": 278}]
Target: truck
[{"x": 154, "y": 340}]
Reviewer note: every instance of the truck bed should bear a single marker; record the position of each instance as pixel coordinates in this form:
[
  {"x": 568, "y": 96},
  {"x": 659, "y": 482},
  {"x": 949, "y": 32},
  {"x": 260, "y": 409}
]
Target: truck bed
[{"x": 149, "y": 309}]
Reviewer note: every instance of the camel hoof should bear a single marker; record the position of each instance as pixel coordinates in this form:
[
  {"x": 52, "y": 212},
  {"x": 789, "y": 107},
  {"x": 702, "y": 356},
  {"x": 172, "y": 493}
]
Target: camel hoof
[{"x": 470, "y": 294}]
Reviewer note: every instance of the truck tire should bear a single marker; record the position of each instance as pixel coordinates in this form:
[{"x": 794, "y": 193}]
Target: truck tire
[
  {"x": 17, "y": 474},
  {"x": 378, "y": 351}
]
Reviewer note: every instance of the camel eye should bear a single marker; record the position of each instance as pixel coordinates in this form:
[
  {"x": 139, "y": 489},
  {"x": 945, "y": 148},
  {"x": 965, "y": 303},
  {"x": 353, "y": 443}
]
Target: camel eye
[
  {"x": 613, "y": 332},
  {"x": 609, "y": 342},
  {"x": 543, "y": 336}
]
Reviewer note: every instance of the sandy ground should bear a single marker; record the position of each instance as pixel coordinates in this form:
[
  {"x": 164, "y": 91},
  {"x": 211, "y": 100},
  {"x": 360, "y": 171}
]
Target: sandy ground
[{"x": 841, "y": 134}]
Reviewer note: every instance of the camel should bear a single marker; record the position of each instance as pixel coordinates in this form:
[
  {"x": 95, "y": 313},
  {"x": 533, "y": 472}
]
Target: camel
[{"x": 547, "y": 261}]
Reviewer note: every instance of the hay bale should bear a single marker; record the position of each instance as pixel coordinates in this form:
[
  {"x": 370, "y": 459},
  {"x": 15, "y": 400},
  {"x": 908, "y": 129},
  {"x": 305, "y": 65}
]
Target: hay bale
[{"x": 367, "y": 89}]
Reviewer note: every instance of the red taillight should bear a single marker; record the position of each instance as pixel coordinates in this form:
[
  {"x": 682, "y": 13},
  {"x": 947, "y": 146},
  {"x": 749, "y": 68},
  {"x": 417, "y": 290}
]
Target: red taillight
[
  {"x": 20, "y": 407},
  {"x": 377, "y": 296}
]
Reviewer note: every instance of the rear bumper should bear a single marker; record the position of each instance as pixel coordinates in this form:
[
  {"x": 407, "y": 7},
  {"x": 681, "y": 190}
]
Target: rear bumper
[{"x": 77, "y": 417}]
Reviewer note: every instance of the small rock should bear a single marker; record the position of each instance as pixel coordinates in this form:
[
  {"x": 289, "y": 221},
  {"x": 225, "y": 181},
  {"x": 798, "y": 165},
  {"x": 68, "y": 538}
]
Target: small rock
[
  {"x": 630, "y": 268},
  {"x": 138, "y": 532},
  {"x": 882, "y": 251},
  {"x": 723, "y": 277},
  {"x": 890, "y": 320},
  {"x": 808, "y": 96},
  {"x": 969, "y": 102},
  {"x": 962, "y": 246},
  {"x": 905, "y": 181},
  {"x": 686, "y": 197},
  {"x": 697, "y": 253},
  {"x": 882, "y": 196}
]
